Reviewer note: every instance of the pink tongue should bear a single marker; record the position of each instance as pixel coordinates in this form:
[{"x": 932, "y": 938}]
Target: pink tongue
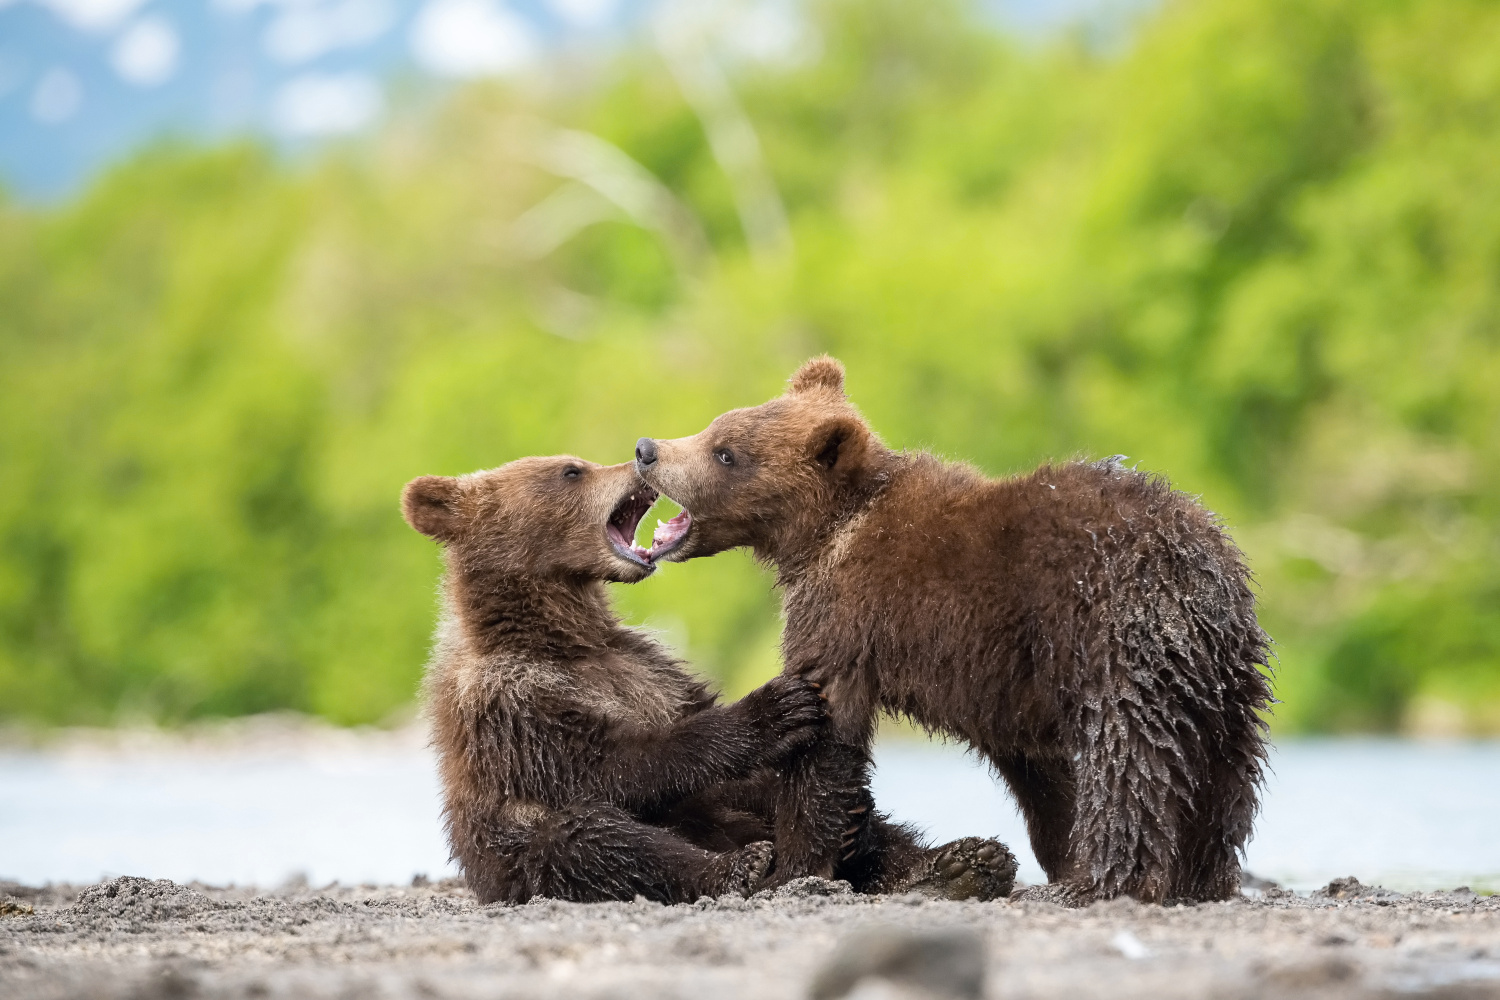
[{"x": 669, "y": 532}]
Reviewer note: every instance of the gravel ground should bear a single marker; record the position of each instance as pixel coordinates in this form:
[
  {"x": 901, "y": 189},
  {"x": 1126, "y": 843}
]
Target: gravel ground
[{"x": 133, "y": 938}]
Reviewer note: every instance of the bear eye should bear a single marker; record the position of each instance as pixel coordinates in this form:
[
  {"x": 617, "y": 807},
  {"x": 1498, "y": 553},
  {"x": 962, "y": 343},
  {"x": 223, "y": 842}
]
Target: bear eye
[
  {"x": 725, "y": 456},
  {"x": 572, "y": 472}
]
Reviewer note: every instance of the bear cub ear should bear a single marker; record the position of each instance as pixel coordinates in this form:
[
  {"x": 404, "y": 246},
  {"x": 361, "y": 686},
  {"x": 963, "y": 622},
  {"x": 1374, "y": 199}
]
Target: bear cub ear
[
  {"x": 838, "y": 446},
  {"x": 819, "y": 373},
  {"x": 430, "y": 504}
]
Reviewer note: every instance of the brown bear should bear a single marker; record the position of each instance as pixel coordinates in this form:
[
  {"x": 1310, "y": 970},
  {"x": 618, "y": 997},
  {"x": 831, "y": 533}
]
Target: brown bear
[
  {"x": 578, "y": 759},
  {"x": 1089, "y": 630}
]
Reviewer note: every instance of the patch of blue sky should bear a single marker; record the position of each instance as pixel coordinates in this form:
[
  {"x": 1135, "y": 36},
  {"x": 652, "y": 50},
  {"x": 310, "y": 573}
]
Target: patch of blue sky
[{"x": 85, "y": 82}]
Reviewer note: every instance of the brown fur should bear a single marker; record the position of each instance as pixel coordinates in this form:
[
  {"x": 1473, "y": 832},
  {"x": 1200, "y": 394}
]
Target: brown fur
[
  {"x": 579, "y": 760},
  {"x": 1086, "y": 628}
]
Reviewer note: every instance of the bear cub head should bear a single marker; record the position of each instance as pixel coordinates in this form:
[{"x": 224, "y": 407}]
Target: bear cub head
[
  {"x": 770, "y": 477},
  {"x": 559, "y": 518}
]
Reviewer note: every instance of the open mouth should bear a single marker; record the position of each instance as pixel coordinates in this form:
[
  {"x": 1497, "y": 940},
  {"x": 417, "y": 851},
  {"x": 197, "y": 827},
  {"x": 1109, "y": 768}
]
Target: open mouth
[{"x": 626, "y": 518}]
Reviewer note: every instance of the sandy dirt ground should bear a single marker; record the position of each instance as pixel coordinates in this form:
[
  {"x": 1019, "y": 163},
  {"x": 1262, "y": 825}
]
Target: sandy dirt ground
[{"x": 137, "y": 939}]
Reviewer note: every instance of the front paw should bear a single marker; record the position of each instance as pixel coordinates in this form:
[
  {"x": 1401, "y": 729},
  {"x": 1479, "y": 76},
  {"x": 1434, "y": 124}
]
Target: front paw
[
  {"x": 742, "y": 872},
  {"x": 971, "y": 868},
  {"x": 789, "y": 711}
]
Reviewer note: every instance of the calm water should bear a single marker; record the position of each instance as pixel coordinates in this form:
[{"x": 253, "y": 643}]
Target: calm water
[{"x": 1407, "y": 815}]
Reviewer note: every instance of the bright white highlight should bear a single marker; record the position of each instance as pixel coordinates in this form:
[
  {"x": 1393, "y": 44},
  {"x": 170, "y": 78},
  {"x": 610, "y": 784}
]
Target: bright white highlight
[
  {"x": 304, "y": 32},
  {"x": 468, "y": 38},
  {"x": 57, "y": 97},
  {"x": 1130, "y": 946},
  {"x": 316, "y": 104},
  {"x": 146, "y": 54}
]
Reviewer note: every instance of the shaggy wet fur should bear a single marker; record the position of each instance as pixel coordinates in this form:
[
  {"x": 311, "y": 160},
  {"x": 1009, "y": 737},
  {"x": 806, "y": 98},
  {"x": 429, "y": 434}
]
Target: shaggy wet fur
[
  {"x": 579, "y": 760},
  {"x": 1087, "y": 629}
]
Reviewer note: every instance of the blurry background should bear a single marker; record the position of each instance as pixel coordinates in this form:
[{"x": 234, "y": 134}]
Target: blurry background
[{"x": 263, "y": 262}]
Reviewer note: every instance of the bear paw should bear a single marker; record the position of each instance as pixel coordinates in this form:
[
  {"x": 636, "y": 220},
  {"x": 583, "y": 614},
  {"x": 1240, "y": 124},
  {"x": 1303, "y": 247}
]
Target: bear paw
[
  {"x": 971, "y": 868},
  {"x": 740, "y": 873}
]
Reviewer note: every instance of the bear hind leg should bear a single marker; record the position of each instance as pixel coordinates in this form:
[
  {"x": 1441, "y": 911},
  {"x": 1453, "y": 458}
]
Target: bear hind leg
[
  {"x": 1225, "y": 805},
  {"x": 1131, "y": 812},
  {"x": 598, "y": 853},
  {"x": 882, "y": 857}
]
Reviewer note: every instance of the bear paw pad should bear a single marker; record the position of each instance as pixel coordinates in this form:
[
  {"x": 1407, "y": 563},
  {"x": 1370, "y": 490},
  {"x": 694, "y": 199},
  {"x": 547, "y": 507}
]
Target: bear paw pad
[{"x": 971, "y": 868}]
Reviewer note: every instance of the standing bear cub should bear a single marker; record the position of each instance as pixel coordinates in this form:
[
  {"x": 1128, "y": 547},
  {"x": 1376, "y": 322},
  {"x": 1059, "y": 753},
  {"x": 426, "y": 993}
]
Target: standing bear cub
[
  {"x": 578, "y": 759},
  {"x": 1087, "y": 629}
]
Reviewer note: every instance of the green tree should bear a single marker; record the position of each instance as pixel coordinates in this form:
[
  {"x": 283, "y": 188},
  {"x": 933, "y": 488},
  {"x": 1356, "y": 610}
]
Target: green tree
[{"x": 1253, "y": 248}]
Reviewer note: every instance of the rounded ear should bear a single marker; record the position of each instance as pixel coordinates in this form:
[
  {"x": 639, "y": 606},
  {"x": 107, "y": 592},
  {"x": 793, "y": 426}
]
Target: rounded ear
[
  {"x": 839, "y": 446},
  {"x": 819, "y": 373},
  {"x": 430, "y": 504}
]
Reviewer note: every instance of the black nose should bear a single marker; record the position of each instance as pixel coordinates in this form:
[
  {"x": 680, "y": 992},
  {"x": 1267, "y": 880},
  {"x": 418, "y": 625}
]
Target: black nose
[{"x": 645, "y": 452}]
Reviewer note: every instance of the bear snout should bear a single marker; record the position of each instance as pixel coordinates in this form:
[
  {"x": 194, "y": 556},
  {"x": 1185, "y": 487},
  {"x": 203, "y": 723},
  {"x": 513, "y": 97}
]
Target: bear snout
[{"x": 645, "y": 452}]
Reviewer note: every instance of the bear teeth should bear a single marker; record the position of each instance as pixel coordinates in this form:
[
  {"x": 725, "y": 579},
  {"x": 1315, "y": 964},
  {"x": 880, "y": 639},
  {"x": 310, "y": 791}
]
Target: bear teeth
[{"x": 669, "y": 533}]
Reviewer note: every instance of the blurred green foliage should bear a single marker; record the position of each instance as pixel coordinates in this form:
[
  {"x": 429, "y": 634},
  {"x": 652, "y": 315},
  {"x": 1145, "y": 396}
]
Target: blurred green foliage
[{"x": 1256, "y": 248}]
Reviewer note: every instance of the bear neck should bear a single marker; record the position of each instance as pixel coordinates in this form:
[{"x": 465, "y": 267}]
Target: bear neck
[
  {"x": 803, "y": 544},
  {"x": 502, "y": 612}
]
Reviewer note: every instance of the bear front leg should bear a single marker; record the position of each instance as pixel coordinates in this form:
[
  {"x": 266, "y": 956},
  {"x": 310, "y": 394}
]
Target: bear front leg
[
  {"x": 650, "y": 769},
  {"x": 1043, "y": 789},
  {"x": 822, "y": 810}
]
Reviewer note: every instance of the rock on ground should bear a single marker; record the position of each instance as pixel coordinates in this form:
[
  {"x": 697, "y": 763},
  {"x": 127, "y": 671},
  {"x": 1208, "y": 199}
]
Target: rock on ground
[{"x": 135, "y": 939}]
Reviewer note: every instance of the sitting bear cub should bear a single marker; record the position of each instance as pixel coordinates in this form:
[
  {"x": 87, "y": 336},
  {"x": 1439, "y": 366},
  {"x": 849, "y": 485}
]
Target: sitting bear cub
[
  {"x": 562, "y": 736},
  {"x": 1088, "y": 630},
  {"x": 578, "y": 759}
]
